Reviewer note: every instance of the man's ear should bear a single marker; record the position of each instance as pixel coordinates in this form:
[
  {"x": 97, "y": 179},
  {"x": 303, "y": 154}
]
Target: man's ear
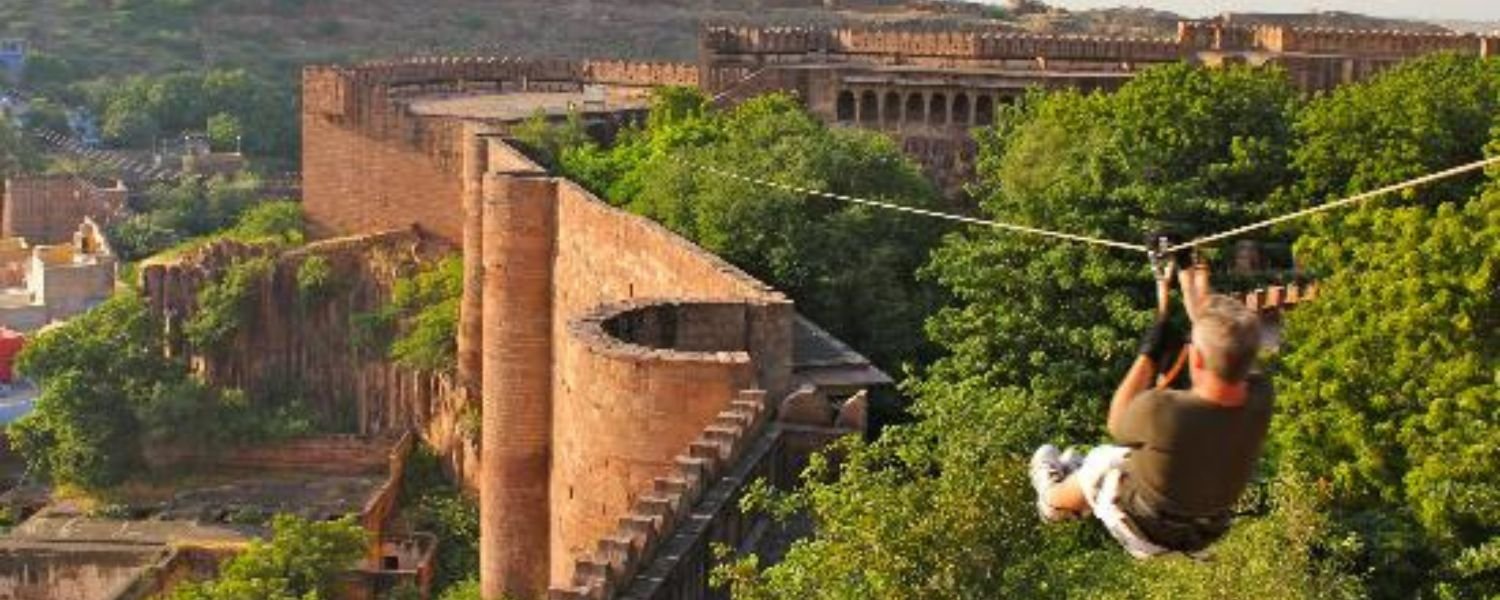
[{"x": 1195, "y": 358}]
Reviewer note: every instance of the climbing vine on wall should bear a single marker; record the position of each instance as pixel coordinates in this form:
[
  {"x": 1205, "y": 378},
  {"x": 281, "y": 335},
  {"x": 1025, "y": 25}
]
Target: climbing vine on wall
[
  {"x": 418, "y": 328},
  {"x": 316, "y": 282},
  {"x": 227, "y": 305}
]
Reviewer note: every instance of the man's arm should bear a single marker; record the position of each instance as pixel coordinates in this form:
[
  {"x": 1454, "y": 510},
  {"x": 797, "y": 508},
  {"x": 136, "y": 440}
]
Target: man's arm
[
  {"x": 1136, "y": 381},
  {"x": 1153, "y": 350}
]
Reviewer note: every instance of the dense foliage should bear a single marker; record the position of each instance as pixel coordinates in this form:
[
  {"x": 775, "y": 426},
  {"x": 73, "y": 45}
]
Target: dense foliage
[
  {"x": 174, "y": 214},
  {"x": 433, "y": 504},
  {"x": 418, "y": 328},
  {"x": 1406, "y": 449},
  {"x": 16, "y": 153},
  {"x": 107, "y": 389},
  {"x": 226, "y": 304},
  {"x": 223, "y": 104},
  {"x": 92, "y": 372},
  {"x": 849, "y": 268},
  {"x": 301, "y": 561},
  {"x": 1426, "y": 116}
]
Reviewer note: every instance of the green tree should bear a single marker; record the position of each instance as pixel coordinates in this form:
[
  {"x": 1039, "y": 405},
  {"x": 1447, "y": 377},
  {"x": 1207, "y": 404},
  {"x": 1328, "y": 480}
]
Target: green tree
[
  {"x": 16, "y": 154},
  {"x": 1423, "y": 116},
  {"x": 92, "y": 371},
  {"x": 546, "y": 141},
  {"x": 426, "y": 310},
  {"x": 1389, "y": 391},
  {"x": 47, "y": 72},
  {"x": 301, "y": 561},
  {"x": 433, "y": 504},
  {"x": 278, "y": 222},
  {"x": 46, "y": 115},
  {"x": 225, "y": 132}
]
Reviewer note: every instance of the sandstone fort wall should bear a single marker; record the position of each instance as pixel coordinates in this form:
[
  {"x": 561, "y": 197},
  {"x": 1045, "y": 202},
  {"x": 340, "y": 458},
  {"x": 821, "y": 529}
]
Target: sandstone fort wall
[
  {"x": 734, "y": 334},
  {"x": 410, "y": 167},
  {"x": 957, "y": 44}
]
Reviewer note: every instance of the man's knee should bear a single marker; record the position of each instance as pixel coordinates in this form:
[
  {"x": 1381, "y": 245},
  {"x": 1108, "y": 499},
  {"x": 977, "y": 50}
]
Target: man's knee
[{"x": 1068, "y": 495}]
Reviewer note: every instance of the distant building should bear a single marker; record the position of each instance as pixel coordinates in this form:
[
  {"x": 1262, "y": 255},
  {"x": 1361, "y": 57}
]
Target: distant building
[
  {"x": 47, "y": 209},
  {"x": 12, "y": 59},
  {"x": 43, "y": 284}
]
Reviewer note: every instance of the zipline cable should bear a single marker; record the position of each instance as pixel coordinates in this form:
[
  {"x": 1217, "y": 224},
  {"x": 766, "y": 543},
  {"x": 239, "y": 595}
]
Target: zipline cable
[
  {"x": 1390, "y": 189},
  {"x": 928, "y": 213}
]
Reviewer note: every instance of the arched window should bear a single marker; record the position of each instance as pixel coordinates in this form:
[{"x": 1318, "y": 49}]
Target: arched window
[
  {"x": 961, "y": 109},
  {"x": 916, "y": 108},
  {"x": 846, "y": 106},
  {"x": 869, "y": 108},
  {"x": 892, "y": 114},
  {"x": 937, "y": 110},
  {"x": 984, "y": 111}
]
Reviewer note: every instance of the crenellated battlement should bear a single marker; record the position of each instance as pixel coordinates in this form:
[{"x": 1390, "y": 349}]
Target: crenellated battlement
[
  {"x": 657, "y": 514},
  {"x": 1192, "y": 36},
  {"x": 949, "y": 44},
  {"x": 1215, "y": 35},
  {"x": 438, "y": 69}
]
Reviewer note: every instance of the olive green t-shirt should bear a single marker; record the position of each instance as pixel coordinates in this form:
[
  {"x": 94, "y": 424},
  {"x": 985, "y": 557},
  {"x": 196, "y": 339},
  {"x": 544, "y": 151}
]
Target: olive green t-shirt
[{"x": 1191, "y": 457}]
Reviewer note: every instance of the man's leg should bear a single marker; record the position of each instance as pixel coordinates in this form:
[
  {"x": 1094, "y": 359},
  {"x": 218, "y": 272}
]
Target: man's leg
[
  {"x": 1067, "y": 496},
  {"x": 1058, "y": 495}
]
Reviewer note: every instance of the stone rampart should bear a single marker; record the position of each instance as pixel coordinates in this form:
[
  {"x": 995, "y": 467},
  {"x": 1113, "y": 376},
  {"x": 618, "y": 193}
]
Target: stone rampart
[
  {"x": 618, "y": 384},
  {"x": 411, "y": 167},
  {"x": 614, "y": 558},
  {"x": 1215, "y": 35},
  {"x": 952, "y": 44}
]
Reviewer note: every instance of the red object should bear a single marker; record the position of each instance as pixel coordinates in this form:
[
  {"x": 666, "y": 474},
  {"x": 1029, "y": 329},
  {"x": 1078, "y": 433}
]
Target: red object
[{"x": 11, "y": 343}]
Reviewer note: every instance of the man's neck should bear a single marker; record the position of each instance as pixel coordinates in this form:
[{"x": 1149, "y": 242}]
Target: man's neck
[{"x": 1220, "y": 392}]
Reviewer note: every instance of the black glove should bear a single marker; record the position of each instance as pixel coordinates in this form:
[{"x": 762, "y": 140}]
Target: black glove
[{"x": 1162, "y": 341}]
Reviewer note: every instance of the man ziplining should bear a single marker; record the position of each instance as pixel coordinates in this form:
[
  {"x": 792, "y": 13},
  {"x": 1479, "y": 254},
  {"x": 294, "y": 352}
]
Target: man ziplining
[{"x": 1181, "y": 458}]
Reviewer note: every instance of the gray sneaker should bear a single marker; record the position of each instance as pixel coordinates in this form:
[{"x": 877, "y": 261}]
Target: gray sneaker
[
  {"x": 1071, "y": 459},
  {"x": 1046, "y": 471}
]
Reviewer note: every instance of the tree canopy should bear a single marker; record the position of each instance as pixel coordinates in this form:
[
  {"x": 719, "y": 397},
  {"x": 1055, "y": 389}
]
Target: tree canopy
[{"x": 301, "y": 561}]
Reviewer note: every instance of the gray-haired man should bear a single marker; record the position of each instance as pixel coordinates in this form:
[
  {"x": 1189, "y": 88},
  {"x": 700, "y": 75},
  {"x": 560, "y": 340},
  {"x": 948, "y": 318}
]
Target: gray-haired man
[{"x": 1181, "y": 458}]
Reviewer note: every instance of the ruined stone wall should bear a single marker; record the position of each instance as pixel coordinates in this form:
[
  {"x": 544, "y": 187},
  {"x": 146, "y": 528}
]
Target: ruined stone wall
[
  {"x": 48, "y": 209},
  {"x": 292, "y": 347}
]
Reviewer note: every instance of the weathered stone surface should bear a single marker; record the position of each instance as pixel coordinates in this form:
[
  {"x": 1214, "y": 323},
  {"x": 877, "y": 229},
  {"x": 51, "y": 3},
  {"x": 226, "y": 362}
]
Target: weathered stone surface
[{"x": 806, "y": 407}]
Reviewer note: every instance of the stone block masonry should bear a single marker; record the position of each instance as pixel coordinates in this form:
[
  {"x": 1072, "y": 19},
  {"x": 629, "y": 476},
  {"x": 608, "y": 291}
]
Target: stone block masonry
[
  {"x": 369, "y": 164},
  {"x": 519, "y": 225},
  {"x": 48, "y": 209}
]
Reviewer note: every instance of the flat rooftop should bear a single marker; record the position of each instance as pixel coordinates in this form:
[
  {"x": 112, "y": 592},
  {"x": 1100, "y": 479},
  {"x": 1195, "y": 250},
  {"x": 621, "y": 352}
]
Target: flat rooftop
[
  {"x": 821, "y": 359},
  {"x": 226, "y": 508},
  {"x": 519, "y": 106}
]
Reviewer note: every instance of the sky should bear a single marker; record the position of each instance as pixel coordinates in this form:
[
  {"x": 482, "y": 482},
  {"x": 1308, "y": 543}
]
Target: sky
[{"x": 1480, "y": 10}]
